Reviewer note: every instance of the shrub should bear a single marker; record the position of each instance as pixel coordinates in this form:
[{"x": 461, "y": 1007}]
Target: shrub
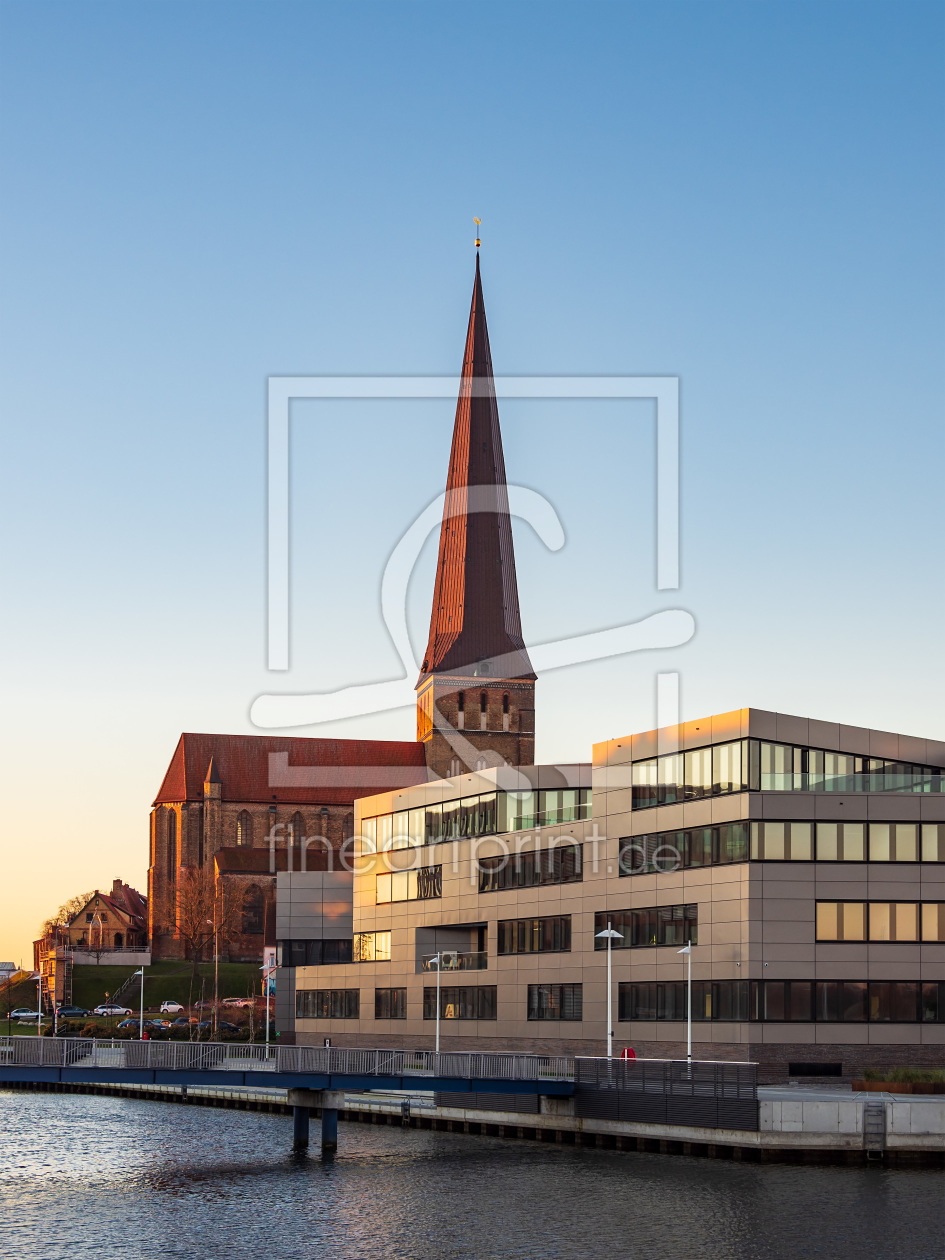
[{"x": 905, "y": 1075}]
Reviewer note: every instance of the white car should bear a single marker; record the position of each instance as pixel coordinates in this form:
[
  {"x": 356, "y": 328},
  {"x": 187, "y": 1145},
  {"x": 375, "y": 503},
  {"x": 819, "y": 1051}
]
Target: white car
[
  {"x": 23, "y": 1012},
  {"x": 107, "y": 1009},
  {"x": 171, "y": 1008},
  {"x": 231, "y": 1002}
]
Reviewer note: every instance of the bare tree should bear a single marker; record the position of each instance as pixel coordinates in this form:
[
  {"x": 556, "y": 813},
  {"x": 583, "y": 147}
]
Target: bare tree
[
  {"x": 198, "y": 909},
  {"x": 65, "y": 914}
]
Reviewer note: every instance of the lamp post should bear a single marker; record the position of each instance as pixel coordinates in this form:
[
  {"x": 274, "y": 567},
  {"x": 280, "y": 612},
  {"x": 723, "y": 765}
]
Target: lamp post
[
  {"x": 438, "y": 959},
  {"x": 687, "y": 950},
  {"x": 216, "y": 966},
  {"x": 39, "y": 1001},
  {"x": 609, "y": 935},
  {"x": 267, "y": 969},
  {"x": 140, "y": 972}
]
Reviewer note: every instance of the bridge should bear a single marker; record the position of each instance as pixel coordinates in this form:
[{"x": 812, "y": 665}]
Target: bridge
[
  {"x": 722, "y": 1095},
  {"x": 315, "y": 1076}
]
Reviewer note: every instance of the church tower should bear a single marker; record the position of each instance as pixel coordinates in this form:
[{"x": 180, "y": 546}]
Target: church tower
[{"x": 476, "y": 691}]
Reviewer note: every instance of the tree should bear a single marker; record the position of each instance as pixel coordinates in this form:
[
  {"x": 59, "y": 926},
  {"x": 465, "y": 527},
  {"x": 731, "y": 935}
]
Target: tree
[
  {"x": 198, "y": 908},
  {"x": 65, "y": 914}
]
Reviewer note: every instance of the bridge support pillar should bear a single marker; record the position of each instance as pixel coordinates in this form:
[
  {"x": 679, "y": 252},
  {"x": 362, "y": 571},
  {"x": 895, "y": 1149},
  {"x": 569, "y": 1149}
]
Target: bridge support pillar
[
  {"x": 330, "y": 1102},
  {"x": 300, "y": 1117}
]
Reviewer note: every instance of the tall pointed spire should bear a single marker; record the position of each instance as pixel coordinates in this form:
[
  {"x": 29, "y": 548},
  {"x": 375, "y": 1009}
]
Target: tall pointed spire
[
  {"x": 475, "y": 636},
  {"x": 476, "y": 627}
]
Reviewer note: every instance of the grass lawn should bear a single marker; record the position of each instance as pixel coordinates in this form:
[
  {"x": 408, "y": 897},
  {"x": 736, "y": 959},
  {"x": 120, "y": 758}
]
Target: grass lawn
[{"x": 163, "y": 982}]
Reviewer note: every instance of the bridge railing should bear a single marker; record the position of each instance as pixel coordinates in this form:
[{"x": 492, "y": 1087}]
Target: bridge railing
[
  {"x": 87, "y": 1052},
  {"x": 461, "y": 1065}
]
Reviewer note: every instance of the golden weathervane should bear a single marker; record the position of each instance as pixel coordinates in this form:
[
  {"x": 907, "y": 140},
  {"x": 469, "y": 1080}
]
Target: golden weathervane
[{"x": 478, "y": 241}]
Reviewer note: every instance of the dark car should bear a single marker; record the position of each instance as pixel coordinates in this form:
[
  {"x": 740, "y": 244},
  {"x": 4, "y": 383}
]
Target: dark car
[
  {"x": 182, "y": 1022},
  {"x": 160, "y": 1024},
  {"x": 71, "y": 1012},
  {"x": 129, "y": 1023},
  {"x": 225, "y": 1027}
]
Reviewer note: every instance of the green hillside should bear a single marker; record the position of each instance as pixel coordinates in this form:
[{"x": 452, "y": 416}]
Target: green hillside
[{"x": 163, "y": 981}]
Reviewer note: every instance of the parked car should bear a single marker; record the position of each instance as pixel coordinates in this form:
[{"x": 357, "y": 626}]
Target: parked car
[
  {"x": 107, "y": 1009},
  {"x": 128, "y": 1023},
  {"x": 203, "y": 1006},
  {"x": 24, "y": 1012},
  {"x": 159, "y": 1023},
  {"x": 246, "y": 1001},
  {"x": 183, "y": 1022},
  {"x": 225, "y": 1027},
  {"x": 205, "y": 1025},
  {"x": 171, "y": 1008},
  {"x": 71, "y": 1012}
]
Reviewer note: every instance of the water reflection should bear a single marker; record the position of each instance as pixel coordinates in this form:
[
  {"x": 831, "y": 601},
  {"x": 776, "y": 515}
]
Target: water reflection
[{"x": 115, "y": 1177}]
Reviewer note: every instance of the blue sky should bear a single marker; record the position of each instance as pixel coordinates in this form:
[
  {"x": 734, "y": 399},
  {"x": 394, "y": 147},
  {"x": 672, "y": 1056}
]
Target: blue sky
[{"x": 196, "y": 197}]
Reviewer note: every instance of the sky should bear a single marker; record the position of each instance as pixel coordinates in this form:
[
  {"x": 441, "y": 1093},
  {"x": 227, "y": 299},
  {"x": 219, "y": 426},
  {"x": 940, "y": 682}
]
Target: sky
[{"x": 198, "y": 197}]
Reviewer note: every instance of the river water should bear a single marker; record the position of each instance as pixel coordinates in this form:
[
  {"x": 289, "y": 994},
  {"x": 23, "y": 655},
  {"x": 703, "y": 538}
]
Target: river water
[{"x": 112, "y": 1178}]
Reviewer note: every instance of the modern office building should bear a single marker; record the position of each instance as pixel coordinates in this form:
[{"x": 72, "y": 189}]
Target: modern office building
[{"x": 803, "y": 860}]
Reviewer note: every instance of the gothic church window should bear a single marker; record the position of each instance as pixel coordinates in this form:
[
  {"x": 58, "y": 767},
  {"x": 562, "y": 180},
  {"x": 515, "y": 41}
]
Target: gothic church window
[
  {"x": 253, "y": 910},
  {"x": 244, "y": 828}
]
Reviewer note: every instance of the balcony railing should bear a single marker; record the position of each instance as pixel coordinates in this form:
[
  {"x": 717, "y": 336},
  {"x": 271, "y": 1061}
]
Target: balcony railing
[{"x": 456, "y": 961}]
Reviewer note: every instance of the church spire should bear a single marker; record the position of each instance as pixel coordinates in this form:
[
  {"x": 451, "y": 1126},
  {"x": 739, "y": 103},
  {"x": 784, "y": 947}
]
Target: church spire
[
  {"x": 476, "y": 627},
  {"x": 476, "y": 675}
]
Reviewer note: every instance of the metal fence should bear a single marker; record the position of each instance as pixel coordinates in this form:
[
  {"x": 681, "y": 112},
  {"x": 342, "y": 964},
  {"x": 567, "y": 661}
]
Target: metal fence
[
  {"x": 712, "y": 1095},
  {"x": 87, "y": 1052},
  {"x": 461, "y": 1066}
]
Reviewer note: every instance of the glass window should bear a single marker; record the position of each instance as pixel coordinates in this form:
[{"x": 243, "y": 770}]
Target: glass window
[
  {"x": 932, "y": 1002},
  {"x": 369, "y": 834},
  {"x": 327, "y": 1003},
  {"x": 933, "y": 842},
  {"x": 698, "y": 770},
  {"x": 383, "y": 889},
  {"x": 907, "y": 842},
  {"x": 671, "y": 777},
  {"x": 841, "y": 842},
  {"x": 783, "y": 841},
  {"x": 533, "y": 936},
  {"x": 894, "y": 842},
  {"x": 433, "y": 823},
  {"x": 933, "y": 921},
  {"x": 450, "y": 818},
  {"x": 555, "y": 1001},
  {"x": 840, "y": 1001},
  {"x": 400, "y": 830},
  {"x": 800, "y": 1000},
  {"x": 802, "y": 841},
  {"x": 773, "y": 999},
  {"x": 774, "y": 841},
  {"x": 461, "y": 1002},
  {"x": 645, "y": 789},
  {"x": 390, "y": 1003},
  {"x": 777, "y": 767},
  {"x": 880, "y": 842},
  {"x": 372, "y": 947},
  {"x": 841, "y": 920},
  {"x": 385, "y": 828},
  {"x": 727, "y": 763},
  {"x": 417, "y": 825},
  {"x": 893, "y": 1001},
  {"x": 733, "y": 843}
]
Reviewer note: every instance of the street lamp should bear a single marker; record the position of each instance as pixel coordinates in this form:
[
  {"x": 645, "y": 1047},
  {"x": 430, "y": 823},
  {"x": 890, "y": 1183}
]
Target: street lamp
[
  {"x": 216, "y": 967},
  {"x": 687, "y": 950},
  {"x": 609, "y": 935},
  {"x": 438, "y": 959},
  {"x": 140, "y": 972},
  {"x": 267, "y": 969},
  {"x": 39, "y": 1002}
]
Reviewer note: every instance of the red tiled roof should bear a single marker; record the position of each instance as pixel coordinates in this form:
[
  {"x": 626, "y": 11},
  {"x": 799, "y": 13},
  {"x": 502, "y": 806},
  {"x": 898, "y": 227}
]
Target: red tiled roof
[
  {"x": 291, "y": 769},
  {"x": 476, "y": 614}
]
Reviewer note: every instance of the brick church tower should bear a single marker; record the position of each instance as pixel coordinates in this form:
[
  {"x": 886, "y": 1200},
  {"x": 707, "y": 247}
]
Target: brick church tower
[{"x": 476, "y": 691}]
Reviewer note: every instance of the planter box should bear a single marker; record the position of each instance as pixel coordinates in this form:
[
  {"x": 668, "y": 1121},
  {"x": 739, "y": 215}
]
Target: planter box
[{"x": 900, "y": 1087}]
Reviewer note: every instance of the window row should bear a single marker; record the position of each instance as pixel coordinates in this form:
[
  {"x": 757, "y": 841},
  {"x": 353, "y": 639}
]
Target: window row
[
  {"x": 534, "y": 936},
  {"x": 487, "y": 814},
  {"x": 372, "y": 947},
  {"x": 805, "y": 1001},
  {"x": 676, "y": 850},
  {"x": 421, "y": 885},
  {"x": 658, "y": 925},
  {"x": 880, "y": 920},
  {"x": 461, "y": 1002},
  {"x": 327, "y": 1003},
  {"x": 558, "y": 864},
  {"x": 312, "y": 953},
  {"x": 782, "y": 841},
  {"x": 555, "y": 1001},
  {"x": 760, "y": 766}
]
